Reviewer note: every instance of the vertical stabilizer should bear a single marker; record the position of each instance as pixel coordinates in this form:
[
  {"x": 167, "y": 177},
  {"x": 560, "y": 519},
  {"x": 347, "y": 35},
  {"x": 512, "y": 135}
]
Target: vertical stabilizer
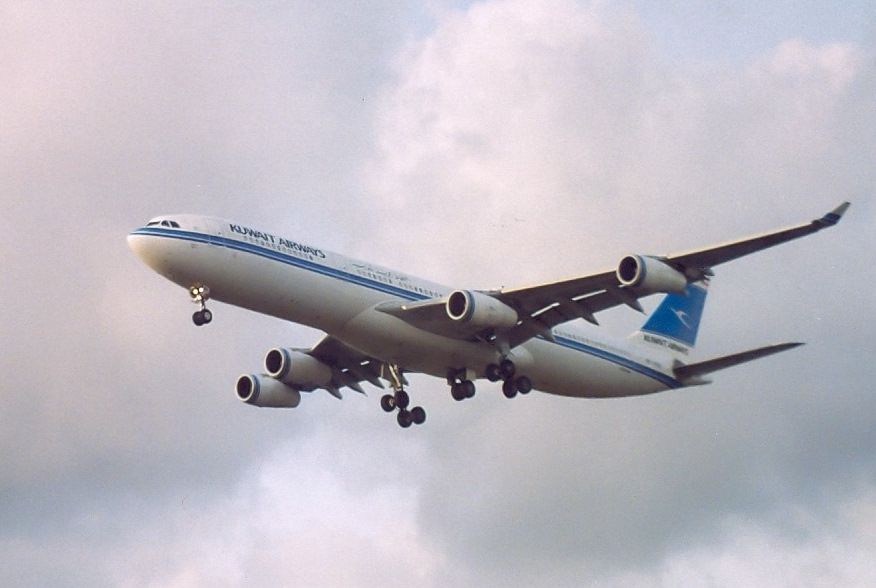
[{"x": 676, "y": 321}]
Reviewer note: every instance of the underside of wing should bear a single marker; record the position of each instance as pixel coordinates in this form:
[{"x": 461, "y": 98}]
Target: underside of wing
[{"x": 349, "y": 367}]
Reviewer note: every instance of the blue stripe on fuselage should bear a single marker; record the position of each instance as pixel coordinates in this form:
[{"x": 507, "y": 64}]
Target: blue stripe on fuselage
[{"x": 387, "y": 289}]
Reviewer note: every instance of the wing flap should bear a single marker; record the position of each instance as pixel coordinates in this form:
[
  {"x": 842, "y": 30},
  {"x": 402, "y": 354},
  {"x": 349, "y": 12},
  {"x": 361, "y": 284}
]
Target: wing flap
[{"x": 349, "y": 366}]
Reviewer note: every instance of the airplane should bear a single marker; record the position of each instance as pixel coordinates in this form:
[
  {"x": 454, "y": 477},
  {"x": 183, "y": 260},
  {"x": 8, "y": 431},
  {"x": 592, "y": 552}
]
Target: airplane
[{"x": 381, "y": 323}]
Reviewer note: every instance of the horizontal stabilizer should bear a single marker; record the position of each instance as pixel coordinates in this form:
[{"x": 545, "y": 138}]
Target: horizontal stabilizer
[{"x": 693, "y": 370}]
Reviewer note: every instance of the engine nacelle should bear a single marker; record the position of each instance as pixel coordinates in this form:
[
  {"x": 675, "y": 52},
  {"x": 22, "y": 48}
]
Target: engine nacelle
[
  {"x": 650, "y": 275},
  {"x": 266, "y": 391},
  {"x": 297, "y": 369},
  {"x": 480, "y": 310}
]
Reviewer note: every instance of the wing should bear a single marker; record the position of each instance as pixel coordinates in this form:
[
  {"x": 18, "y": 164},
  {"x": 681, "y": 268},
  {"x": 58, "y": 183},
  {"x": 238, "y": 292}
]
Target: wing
[
  {"x": 349, "y": 367},
  {"x": 542, "y": 307},
  {"x": 545, "y": 306},
  {"x": 703, "y": 259}
]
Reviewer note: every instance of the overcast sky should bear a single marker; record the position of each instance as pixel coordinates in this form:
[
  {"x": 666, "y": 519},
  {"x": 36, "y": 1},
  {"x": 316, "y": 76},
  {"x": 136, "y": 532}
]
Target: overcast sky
[{"x": 477, "y": 144}]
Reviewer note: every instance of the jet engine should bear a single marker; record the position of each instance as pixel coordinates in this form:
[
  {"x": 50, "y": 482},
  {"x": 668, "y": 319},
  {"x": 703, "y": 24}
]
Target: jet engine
[
  {"x": 266, "y": 391},
  {"x": 650, "y": 275},
  {"x": 480, "y": 310},
  {"x": 297, "y": 369}
]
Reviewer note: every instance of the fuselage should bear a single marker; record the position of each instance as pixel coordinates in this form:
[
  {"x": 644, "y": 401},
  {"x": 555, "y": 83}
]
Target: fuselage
[{"x": 305, "y": 284}]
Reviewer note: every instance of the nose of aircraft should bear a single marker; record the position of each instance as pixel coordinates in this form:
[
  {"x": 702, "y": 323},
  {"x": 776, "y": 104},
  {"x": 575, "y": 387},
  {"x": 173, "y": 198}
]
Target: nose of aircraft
[
  {"x": 137, "y": 244},
  {"x": 148, "y": 250}
]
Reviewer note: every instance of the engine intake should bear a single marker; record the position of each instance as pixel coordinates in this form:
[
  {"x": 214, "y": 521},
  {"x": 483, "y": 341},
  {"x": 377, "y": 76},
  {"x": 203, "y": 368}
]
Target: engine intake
[
  {"x": 267, "y": 392},
  {"x": 480, "y": 310},
  {"x": 297, "y": 369},
  {"x": 650, "y": 275}
]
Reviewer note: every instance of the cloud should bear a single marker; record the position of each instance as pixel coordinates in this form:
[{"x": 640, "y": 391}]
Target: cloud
[
  {"x": 500, "y": 144},
  {"x": 551, "y": 138}
]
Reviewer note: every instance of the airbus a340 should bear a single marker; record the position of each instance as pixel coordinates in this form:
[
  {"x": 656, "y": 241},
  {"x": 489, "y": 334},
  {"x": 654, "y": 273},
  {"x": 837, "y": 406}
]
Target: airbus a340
[{"x": 381, "y": 323}]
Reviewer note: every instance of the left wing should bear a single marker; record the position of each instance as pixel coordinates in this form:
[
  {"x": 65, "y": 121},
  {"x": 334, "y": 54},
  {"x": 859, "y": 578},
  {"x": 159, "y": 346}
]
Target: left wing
[
  {"x": 537, "y": 309},
  {"x": 349, "y": 367},
  {"x": 546, "y": 306}
]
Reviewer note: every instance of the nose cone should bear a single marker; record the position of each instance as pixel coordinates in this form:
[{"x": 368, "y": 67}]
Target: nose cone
[
  {"x": 137, "y": 244},
  {"x": 150, "y": 250}
]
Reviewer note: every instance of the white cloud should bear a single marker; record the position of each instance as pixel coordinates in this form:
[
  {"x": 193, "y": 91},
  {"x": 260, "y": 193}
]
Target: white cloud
[{"x": 512, "y": 143}]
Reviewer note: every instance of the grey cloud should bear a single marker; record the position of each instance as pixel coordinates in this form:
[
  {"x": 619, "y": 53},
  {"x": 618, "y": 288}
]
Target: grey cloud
[{"x": 510, "y": 144}]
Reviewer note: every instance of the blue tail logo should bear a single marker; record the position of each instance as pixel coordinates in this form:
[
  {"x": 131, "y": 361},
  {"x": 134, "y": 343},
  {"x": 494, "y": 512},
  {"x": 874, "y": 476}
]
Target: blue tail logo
[{"x": 678, "y": 316}]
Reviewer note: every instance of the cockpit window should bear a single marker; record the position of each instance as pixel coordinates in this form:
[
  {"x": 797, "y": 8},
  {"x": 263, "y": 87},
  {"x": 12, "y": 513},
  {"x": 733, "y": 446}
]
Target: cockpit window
[{"x": 163, "y": 223}]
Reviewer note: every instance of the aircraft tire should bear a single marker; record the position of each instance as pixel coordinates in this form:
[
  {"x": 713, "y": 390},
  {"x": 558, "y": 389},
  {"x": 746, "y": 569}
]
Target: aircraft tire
[
  {"x": 198, "y": 318},
  {"x": 469, "y": 389},
  {"x": 493, "y": 372},
  {"x": 509, "y": 389},
  {"x": 402, "y": 400},
  {"x": 418, "y": 415},
  {"x": 523, "y": 384},
  {"x": 404, "y": 419},
  {"x": 206, "y": 316},
  {"x": 507, "y": 369},
  {"x": 387, "y": 403}
]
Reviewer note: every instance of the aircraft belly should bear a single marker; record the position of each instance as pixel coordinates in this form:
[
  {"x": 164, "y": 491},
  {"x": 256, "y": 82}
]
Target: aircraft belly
[
  {"x": 570, "y": 372},
  {"x": 391, "y": 339},
  {"x": 262, "y": 284}
]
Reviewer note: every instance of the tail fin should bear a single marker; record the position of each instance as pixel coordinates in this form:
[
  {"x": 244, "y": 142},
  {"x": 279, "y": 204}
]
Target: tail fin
[{"x": 676, "y": 321}]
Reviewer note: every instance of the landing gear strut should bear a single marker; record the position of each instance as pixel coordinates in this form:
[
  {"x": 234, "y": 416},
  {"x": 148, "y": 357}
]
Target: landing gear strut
[
  {"x": 200, "y": 295},
  {"x": 400, "y": 400}
]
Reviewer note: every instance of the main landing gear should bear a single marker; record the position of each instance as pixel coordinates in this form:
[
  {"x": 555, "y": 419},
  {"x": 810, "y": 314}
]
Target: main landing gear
[
  {"x": 400, "y": 400},
  {"x": 200, "y": 295},
  {"x": 461, "y": 387},
  {"x": 506, "y": 371}
]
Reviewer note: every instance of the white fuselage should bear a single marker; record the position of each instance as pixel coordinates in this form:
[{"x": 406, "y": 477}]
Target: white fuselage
[{"x": 273, "y": 275}]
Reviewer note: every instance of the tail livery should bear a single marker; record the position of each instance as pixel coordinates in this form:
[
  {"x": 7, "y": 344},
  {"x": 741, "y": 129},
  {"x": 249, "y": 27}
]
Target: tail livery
[{"x": 675, "y": 323}]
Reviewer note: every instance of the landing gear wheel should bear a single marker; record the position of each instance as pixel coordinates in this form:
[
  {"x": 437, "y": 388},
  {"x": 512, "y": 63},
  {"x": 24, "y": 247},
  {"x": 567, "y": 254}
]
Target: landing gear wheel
[
  {"x": 509, "y": 389},
  {"x": 493, "y": 372},
  {"x": 402, "y": 400},
  {"x": 507, "y": 369},
  {"x": 206, "y": 316},
  {"x": 387, "y": 403},
  {"x": 198, "y": 318},
  {"x": 418, "y": 415},
  {"x": 457, "y": 391},
  {"x": 523, "y": 385},
  {"x": 404, "y": 419},
  {"x": 468, "y": 387}
]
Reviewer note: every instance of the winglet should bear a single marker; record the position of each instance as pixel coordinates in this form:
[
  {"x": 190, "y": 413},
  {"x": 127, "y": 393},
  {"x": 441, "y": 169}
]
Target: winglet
[{"x": 834, "y": 216}]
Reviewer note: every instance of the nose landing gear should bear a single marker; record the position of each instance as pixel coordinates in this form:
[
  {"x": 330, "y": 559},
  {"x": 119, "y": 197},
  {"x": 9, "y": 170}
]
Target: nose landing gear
[{"x": 200, "y": 294}]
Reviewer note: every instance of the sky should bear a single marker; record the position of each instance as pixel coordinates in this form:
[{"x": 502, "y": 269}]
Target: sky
[{"x": 476, "y": 144}]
